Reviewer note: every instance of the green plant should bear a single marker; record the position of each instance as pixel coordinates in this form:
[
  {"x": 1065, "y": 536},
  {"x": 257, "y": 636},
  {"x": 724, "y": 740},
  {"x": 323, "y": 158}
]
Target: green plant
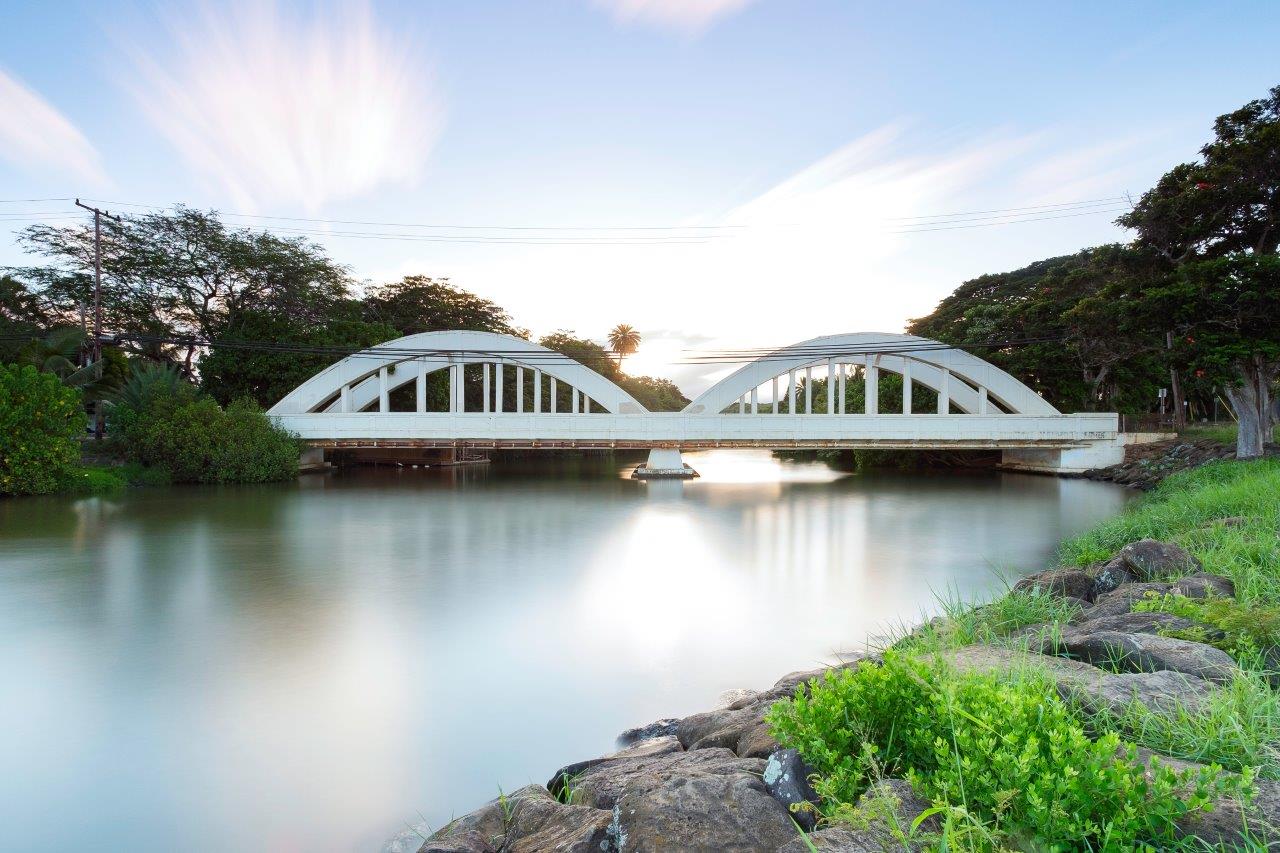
[
  {"x": 162, "y": 422},
  {"x": 1245, "y": 627},
  {"x": 41, "y": 422},
  {"x": 963, "y": 623},
  {"x": 1009, "y": 752},
  {"x": 1188, "y": 508},
  {"x": 94, "y": 480}
]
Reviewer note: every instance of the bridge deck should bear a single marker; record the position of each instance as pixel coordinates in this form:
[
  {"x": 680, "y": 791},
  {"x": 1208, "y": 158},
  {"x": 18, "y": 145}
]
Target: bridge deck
[{"x": 649, "y": 430}]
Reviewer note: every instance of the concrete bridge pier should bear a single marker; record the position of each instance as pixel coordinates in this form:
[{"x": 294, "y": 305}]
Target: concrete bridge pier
[
  {"x": 1072, "y": 460},
  {"x": 664, "y": 463}
]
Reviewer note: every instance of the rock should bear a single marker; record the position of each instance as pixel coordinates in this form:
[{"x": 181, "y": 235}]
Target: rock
[
  {"x": 719, "y": 728},
  {"x": 739, "y": 697},
  {"x": 602, "y": 785},
  {"x": 785, "y": 687},
  {"x": 786, "y": 777},
  {"x": 1164, "y": 691},
  {"x": 1140, "y": 623},
  {"x": 756, "y": 742},
  {"x": 1234, "y": 824},
  {"x": 489, "y": 823},
  {"x": 658, "y": 728},
  {"x": 792, "y": 680},
  {"x": 1150, "y": 559},
  {"x": 542, "y": 825},
  {"x": 1060, "y": 582},
  {"x": 1109, "y": 575},
  {"x": 888, "y": 808},
  {"x": 1121, "y": 599},
  {"x": 1082, "y": 682},
  {"x": 645, "y": 748},
  {"x": 408, "y": 840},
  {"x": 697, "y": 813},
  {"x": 1204, "y": 585},
  {"x": 1146, "y": 653},
  {"x": 466, "y": 842}
]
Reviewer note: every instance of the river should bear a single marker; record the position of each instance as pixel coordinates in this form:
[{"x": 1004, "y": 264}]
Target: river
[{"x": 313, "y": 666}]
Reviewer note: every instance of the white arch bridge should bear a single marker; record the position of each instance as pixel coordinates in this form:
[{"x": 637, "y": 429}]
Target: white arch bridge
[{"x": 505, "y": 392}]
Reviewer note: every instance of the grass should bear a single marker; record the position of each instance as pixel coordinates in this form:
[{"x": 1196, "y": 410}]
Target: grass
[
  {"x": 1189, "y": 508},
  {"x": 1223, "y": 433},
  {"x": 1225, "y": 513}
]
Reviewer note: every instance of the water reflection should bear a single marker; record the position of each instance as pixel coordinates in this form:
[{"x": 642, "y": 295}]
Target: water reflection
[{"x": 311, "y": 666}]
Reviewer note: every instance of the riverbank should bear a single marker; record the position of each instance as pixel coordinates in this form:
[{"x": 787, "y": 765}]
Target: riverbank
[{"x": 1120, "y": 700}]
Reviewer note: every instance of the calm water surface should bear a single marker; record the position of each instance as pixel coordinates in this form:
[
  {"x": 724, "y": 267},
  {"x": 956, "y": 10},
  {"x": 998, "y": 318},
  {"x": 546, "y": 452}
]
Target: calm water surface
[{"x": 313, "y": 666}]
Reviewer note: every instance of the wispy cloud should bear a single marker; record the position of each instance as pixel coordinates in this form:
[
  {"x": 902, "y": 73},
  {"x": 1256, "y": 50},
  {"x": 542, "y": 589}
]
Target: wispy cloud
[
  {"x": 278, "y": 106},
  {"x": 34, "y": 135},
  {"x": 687, "y": 17}
]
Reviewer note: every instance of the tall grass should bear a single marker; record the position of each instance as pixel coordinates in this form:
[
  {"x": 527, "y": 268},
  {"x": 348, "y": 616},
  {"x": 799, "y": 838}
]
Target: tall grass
[{"x": 1189, "y": 508}]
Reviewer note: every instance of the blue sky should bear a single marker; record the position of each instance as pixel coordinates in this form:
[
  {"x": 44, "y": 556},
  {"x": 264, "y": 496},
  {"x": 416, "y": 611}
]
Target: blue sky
[{"x": 796, "y": 141}]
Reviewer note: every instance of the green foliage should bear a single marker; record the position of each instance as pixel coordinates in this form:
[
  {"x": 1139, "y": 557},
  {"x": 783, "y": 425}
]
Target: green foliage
[
  {"x": 93, "y": 480},
  {"x": 1007, "y": 751},
  {"x": 162, "y": 422},
  {"x": 656, "y": 395},
  {"x": 239, "y": 369},
  {"x": 1237, "y": 726},
  {"x": 41, "y": 423},
  {"x": 1246, "y": 627},
  {"x": 1188, "y": 508},
  {"x": 418, "y": 303},
  {"x": 963, "y": 624}
]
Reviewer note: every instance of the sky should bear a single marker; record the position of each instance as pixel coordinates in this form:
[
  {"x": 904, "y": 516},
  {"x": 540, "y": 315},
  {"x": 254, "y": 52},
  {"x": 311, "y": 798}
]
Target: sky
[{"x": 720, "y": 174}]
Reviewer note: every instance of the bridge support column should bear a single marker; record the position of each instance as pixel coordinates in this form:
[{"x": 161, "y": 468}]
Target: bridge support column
[
  {"x": 1073, "y": 460},
  {"x": 664, "y": 463}
]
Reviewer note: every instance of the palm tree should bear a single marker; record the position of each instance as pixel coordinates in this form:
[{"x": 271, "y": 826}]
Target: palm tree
[{"x": 624, "y": 340}]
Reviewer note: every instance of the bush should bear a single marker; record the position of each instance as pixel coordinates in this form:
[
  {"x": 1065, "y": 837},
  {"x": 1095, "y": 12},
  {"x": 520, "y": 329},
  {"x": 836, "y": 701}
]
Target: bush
[
  {"x": 41, "y": 423},
  {"x": 1008, "y": 752},
  {"x": 168, "y": 425}
]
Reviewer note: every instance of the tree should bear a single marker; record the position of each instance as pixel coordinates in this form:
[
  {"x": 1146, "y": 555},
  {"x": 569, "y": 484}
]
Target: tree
[
  {"x": 263, "y": 356},
  {"x": 181, "y": 274},
  {"x": 41, "y": 422},
  {"x": 623, "y": 340},
  {"x": 656, "y": 395},
  {"x": 1218, "y": 221},
  {"x": 1077, "y": 358},
  {"x": 417, "y": 303}
]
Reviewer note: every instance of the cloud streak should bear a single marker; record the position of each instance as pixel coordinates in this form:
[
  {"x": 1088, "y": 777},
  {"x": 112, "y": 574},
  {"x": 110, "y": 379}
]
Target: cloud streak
[
  {"x": 287, "y": 108},
  {"x": 685, "y": 17},
  {"x": 35, "y": 135}
]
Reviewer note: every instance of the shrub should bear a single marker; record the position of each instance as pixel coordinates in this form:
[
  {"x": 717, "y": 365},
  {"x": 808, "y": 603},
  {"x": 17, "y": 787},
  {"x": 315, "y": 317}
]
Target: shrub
[
  {"x": 41, "y": 423},
  {"x": 1007, "y": 751},
  {"x": 1246, "y": 627},
  {"x": 164, "y": 423}
]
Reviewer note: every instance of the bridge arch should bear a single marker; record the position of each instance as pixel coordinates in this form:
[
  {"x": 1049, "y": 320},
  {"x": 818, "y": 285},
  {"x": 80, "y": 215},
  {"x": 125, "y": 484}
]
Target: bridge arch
[
  {"x": 367, "y": 377},
  {"x": 969, "y": 383}
]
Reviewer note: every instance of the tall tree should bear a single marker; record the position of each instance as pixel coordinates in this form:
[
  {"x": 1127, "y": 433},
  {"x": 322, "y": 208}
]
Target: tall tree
[
  {"x": 1218, "y": 220},
  {"x": 182, "y": 274},
  {"x": 418, "y": 303},
  {"x": 623, "y": 340}
]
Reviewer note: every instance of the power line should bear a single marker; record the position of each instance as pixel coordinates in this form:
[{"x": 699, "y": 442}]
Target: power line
[{"x": 1083, "y": 202}]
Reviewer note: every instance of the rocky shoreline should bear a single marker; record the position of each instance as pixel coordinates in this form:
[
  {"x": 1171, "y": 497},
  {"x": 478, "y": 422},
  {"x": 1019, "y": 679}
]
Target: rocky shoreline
[{"x": 718, "y": 780}]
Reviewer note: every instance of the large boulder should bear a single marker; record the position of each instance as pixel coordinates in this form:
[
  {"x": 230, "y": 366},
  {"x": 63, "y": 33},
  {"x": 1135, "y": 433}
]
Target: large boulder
[
  {"x": 1151, "y": 560},
  {"x": 701, "y": 814},
  {"x": 1140, "y": 623},
  {"x": 1122, "y": 599},
  {"x": 544, "y": 824},
  {"x": 658, "y": 728},
  {"x": 1146, "y": 653},
  {"x": 1108, "y": 575},
  {"x": 1072, "y": 583},
  {"x": 1204, "y": 585},
  {"x": 487, "y": 824},
  {"x": 1087, "y": 684},
  {"x": 1234, "y": 824},
  {"x": 567, "y": 775},
  {"x": 603, "y": 785},
  {"x": 786, "y": 777},
  {"x": 466, "y": 842}
]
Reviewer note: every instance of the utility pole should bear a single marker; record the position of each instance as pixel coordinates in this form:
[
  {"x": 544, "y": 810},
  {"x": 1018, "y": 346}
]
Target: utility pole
[{"x": 97, "y": 299}]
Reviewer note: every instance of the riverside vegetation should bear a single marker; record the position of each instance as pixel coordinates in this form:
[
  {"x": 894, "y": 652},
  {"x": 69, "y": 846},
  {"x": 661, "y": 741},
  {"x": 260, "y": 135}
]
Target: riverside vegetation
[{"x": 1123, "y": 701}]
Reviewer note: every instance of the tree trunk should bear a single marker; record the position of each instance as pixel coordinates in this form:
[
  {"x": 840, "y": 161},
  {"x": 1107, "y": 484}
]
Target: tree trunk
[{"x": 1252, "y": 401}]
